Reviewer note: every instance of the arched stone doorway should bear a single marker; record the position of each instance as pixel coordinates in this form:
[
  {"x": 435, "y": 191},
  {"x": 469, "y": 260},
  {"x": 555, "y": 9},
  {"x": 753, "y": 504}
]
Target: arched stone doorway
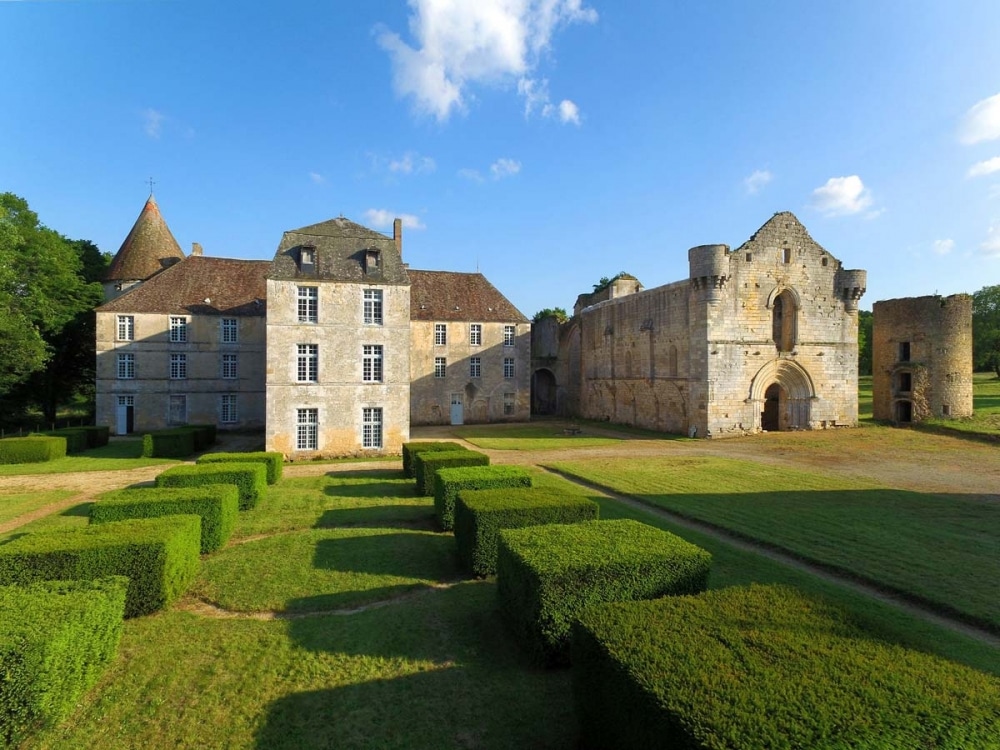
[
  {"x": 782, "y": 393},
  {"x": 904, "y": 412},
  {"x": 543, "y": 392},
  {"x": 770, "y": 415}
]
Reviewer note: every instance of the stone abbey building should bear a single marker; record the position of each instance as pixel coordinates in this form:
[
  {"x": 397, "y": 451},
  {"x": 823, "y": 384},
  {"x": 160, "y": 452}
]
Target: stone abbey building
[{"x": 334, "y": 347}]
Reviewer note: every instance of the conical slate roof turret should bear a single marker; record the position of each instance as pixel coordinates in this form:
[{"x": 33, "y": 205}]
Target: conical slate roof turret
[{"x": 149, "y": 248}]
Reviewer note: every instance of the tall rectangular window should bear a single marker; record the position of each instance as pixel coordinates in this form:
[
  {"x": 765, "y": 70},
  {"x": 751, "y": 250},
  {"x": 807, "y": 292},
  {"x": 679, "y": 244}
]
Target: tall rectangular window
[
  {"x": 440, "y": 364},
  {"x": 307, "y": 429},
  {"x": 508, "y": 404},
  {"x": 904, "y": 351},
  {"x": 476, "y": 334},
  {"x": 177, "y": 409},
  {"x": 373, "y": 307},
  {"x": 475, "y": 367},
  {"x": 126, "y": 366},
  {"x": 230, "y": 331},
  {"x": 229, "y": 366},
  {"x": 371, "y": 427},
  {"x": 178, "y": 366},
  {"x": 440, "y": 334},
  {"x": 508, "y": 335},
  {"x": 307, "y": 370},
  {"x": 178, "y": 329},
  {"x": 227, "y": 408},
  {"x": 126, "y": 328},
  {"x": 508, "y": 367},
  {"x": 308, "y": 304},
  {"x": 371, "y": 363}
]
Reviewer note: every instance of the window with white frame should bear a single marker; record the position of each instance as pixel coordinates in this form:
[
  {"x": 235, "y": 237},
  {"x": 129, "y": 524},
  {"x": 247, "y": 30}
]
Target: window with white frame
[
  {"x": 178, "y": 329},
  {"x": 440, "y": 365},
  {"x": 475, "y": 367},
  {"x": 178, "y": 366},
  {"x": 508, "y": 335},
  {"x": 307, "y": 369},
  {"x": 508, "y": 403},
  {"x": 126, "y": 328},
  {"x": 440, "y": 334},
  {"x": 307, "y": 429},
  {"x": 308, "y": 304},
  {"x": 508, "y": 367},
  {"x": 177, "y": 409},
  {"x": 230, "y": 331},
  {"x": 371, "y": 363},
  {"x": 371, "y": 427},
  {"x": 126, "y": 366},
  {"x": 229, "y": 364},
  {"x": 476, "y": 334},
  {"x": 227, "y": 408},
  {"x": 373, "y": 307}
]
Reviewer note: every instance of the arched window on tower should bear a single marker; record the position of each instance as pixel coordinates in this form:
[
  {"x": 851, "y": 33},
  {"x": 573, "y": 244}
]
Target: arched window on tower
[{"x": 783, "y": 321}]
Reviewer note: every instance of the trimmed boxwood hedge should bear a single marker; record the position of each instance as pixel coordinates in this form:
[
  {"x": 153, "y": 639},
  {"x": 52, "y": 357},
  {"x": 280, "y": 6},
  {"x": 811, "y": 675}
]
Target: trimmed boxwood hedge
[
  {"x": 77, "y": 439},
  {"x": 217, "y": 504},
  {"x": 177, "y": 443},
  {"x": 32, "y": 449},
  {"x": 56, "y": 638},
  {"x": 204, "y": 435},
  {"x": 412, "y": 448},
  {"x": 547, "y": 574},
  {"x": 97, "y": 435},
  {"x": 449, "y": 481},
  {"x": 250, "y": 479},
  {"x": 160, "y": 556},
  {"x": 765, "y": 667},
  {"x": 427, "y": 463},
  {"x": 274, "y": 461},
  {"x": 480, "y": 514}
]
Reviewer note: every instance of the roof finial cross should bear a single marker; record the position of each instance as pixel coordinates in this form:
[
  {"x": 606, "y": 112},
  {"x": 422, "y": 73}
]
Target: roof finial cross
[{"x": 151, "y": 183}]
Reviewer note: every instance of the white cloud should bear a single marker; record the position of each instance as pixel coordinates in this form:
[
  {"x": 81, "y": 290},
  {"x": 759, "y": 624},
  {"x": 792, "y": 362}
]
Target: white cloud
[
  {"x": 504, "y": 168},
  {"x": 471, "y": 174},
  {"x": 381, "y": 217},
  {"x": 842, "y": 196},
  {"x": 984, "y": 167},
  {"x": 756, "y": 181},
  {"x": 317, "y": 178},
  {"x": 412, "y": 163},
  {"x": 460, "y": 44},
  {"x": 152, "y": 122},
  {"x": 991, "y": 247},
  {"x": 943, "y": 247},
  {"x": 569, "y": 112},
  {"x": 981, "y": 122}
]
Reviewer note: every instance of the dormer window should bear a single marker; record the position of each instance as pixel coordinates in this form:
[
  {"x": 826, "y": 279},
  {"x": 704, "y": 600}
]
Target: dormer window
[
  {"x": 307, "y": 258},
  {"x": 372, "y": 260}
]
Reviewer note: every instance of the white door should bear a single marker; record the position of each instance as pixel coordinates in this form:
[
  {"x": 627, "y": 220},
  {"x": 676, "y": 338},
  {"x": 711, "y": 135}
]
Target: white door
[
  {"x": 121, "y": 420},
  {"x": 456, "y": 408}
]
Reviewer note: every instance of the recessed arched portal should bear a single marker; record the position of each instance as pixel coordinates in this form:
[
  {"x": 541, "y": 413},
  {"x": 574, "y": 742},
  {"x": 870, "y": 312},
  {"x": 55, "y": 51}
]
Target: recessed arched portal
[
  {"x": 543, "y": 392},
  {"x": 782, "y": 393},
  {"x": 770, "y": 419}
]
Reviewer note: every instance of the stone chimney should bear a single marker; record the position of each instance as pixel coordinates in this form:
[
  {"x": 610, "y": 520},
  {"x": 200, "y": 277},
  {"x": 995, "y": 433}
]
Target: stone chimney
[
  {"x": 397, "y": 235},
  {"x": 196, "y": 249}
]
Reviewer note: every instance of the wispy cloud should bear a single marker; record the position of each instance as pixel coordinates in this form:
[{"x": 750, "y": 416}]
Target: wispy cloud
[
  {"x": 381, "y": 218},
  {"x": 152, "y": 122},
  {"x": 461, "y": 45},
  {"x": 474, "y": 175},
  {"x": 943, "y": 247},
  {"x": 991, "y": 246},
  {"x": 842, "y": 196},
  {"x": 989, "y": 166},
  {"x": 317, "y": 178},
  {"x": 981, "y": 122},
  {"x": 504, "y": 168},
  {"x": 757, "y": 181},
  {"x": 569, "y": 112},
  {"x": 412, "y": 163}
]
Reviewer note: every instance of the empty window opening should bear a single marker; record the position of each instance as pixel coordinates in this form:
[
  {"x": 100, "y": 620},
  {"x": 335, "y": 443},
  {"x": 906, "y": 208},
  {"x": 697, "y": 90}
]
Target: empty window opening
[
  {"x": 824, "y": 261},
  {"x": 945, "y": 410},
  {"x": 905, "y": 383},
  {"x": 904, "y": 351},
  {"x": 904, "y": 412},
  {"x": 749, "y": 257},
  {"x": 786, "y": 255},
  {"x": 783, "y": 320}
]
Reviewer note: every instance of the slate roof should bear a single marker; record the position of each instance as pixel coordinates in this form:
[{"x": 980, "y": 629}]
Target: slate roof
[
  {"x": 449, "y": 295},
  {"x": 149, "y": 248},
  {"x": 340, "y": 247},
  {"x": 232, "y": 287}
]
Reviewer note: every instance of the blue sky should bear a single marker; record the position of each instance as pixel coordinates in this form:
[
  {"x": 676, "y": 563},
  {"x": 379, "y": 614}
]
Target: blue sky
[{"x": 546, "y": 142}]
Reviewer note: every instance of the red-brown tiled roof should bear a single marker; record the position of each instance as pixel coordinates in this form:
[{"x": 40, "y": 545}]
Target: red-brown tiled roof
[
  {"x": 448, "y": 295},
  {"x": 149, "y": 248},
  {"x": 200, "y": 285}
]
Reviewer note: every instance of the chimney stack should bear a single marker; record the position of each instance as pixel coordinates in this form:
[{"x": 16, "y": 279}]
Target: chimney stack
[
  {"x": 397, "y": 235},
  {"x": 196, "y": 248}
]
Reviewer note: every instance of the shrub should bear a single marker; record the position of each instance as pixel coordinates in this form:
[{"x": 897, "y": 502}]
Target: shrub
[
  {"x": 217, "y": 504},
  {"x": 272, "y": 460},
  {"x": 480, "y": 514},
  {"x": 76, "y": 438},
  {"x": 763, "y": 666},
  {"x": 429, "y": 462},
  {"x": 204, "y": 435},
  {"x": 449, "y": 481},
  {"x": 250, "y": 479},
  {"x": 160, "y": 556},
  {"x": 31, "y": 449},
  {"x": 411, "y": 449},
  {"x": 97, "y": 435},
  {"x": 177, "y": 443},
  {"x": 547, "y": 574},
  {"x": 56, "y": 637}
]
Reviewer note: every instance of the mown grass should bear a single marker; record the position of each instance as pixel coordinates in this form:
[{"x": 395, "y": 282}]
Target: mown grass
[
  {"x": 939, "y": 549},
  {"x": 986, "y": 409},
  {"x": 118, "y": 454},
  {"x": 17, "y": 504}
]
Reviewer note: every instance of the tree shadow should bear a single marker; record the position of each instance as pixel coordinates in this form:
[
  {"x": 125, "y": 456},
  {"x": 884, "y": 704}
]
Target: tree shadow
[
  {"x": 380, "y": 516},
  {"x": 372, "y": 490},
  {"x": 394, "y": 553},
  {"x": 367, "y": 474}
]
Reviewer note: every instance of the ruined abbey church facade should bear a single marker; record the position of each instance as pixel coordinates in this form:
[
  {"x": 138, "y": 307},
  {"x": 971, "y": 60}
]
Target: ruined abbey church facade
[{"x": 764, "y": 337}]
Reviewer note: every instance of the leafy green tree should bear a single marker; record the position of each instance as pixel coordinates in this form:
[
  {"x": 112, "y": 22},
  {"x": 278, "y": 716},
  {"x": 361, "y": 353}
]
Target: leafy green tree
[
  {"x": 558, "y": 312},
  {"x": 606, "y": 282},
  {"x": 864, "y": 342},
  {"x": 986, "y": 329}
]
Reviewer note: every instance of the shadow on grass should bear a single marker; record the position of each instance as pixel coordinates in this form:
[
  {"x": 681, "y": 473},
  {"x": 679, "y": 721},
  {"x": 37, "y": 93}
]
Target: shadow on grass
[
  {"x": 367, "y": 474},
  {"x": 82, "y": 509},
  {"x": 379, "y": 516},
  {"x": 372, "y": 489},
  {"x": 394, "y": 553}
]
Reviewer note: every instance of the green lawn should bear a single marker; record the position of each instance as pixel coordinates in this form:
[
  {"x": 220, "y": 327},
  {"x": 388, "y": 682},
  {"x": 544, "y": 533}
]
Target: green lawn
[
  {"x": 118, "y": 454},
  {"x": 529, "y": 437},
  {"x": 986, "y": 407},
  {"x": 17, "y": 504},
  {"x": 941, "y": 549}
]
